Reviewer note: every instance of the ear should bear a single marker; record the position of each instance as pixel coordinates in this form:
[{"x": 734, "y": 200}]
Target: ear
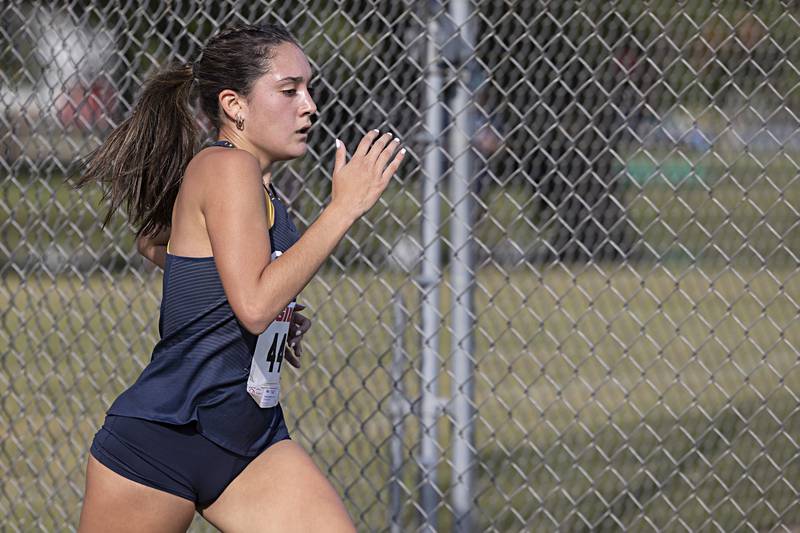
[{"x": 232, "y": 103}]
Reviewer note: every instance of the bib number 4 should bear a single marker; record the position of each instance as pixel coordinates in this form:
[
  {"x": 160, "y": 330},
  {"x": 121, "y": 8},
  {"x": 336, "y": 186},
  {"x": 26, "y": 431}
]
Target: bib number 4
[{"x": 264, "y": 383}]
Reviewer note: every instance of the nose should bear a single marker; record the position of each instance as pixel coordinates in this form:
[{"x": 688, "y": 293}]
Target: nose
[{"x": 309, "y": 107}]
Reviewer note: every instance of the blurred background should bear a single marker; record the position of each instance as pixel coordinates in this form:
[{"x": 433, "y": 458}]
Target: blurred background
[{"x": 572, "y": 310}]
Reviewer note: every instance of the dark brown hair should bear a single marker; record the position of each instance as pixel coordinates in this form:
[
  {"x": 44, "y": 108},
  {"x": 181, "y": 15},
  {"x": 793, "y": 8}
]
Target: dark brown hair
[{"x": 141, "y": 164}]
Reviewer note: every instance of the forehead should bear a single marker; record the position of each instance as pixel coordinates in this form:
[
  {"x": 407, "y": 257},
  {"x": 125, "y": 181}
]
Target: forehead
[{"x": 288, "y": 61}]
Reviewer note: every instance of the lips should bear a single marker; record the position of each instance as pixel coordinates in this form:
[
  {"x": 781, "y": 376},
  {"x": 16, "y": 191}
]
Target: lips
[{"x": 304, "y": 130}]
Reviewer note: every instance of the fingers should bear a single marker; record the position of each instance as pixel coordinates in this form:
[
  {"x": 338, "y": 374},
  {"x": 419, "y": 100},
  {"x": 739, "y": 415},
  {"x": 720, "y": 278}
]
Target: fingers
[
  {"x": 378, "y": 148},
  {"x": 292, "y": 355},
  {"x": 393, "y": 166},
  {"x": 372, "y": 145},
  {"x": 338, "y": 163},
  {"x": 294, "y": 351},
  {"x": 366, "y": 142},
  {"x": 300, "y": 325},
  {"x": 383, "y": 158}
]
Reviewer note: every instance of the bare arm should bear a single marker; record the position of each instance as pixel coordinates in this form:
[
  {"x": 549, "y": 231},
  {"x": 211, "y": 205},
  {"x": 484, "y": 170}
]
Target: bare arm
[
  {"x": 154, "y": 248},
  {"x": 235, "y": 213}
]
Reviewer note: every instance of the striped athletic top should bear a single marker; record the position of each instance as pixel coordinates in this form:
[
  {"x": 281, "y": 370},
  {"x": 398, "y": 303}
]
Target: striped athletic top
[{"x": 199, "y": 368}]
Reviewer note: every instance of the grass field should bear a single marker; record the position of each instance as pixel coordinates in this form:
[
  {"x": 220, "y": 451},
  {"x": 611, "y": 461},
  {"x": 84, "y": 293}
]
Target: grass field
[
  {"x": 657, "y": 395},
  {"x": 742, "y": 212},
  {"x": 607, "y": 396}
]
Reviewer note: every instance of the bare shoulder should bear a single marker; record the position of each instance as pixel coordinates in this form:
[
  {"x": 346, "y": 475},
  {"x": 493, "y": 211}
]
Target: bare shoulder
[{"x": 215, "y": 167}]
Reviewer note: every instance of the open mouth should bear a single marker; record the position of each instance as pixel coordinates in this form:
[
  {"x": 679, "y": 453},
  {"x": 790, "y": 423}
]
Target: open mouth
[{"x": 303, "y": 131}]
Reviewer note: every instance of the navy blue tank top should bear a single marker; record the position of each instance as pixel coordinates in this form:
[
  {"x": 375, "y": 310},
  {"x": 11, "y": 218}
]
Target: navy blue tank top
[{"x": 198, "y": 370}]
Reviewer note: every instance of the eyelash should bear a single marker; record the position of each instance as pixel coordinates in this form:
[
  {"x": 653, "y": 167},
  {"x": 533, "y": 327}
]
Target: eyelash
[{"x": 292, "y": 92}]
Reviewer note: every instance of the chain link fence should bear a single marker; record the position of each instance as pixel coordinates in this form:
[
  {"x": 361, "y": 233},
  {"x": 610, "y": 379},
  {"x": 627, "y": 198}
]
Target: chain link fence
[{"x": 575, "y": 309}]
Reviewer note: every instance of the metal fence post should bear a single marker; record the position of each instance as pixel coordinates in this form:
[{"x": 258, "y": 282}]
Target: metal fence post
[
  {"x": 429, "y": 279},
  {"x": 462, "y": 279}
]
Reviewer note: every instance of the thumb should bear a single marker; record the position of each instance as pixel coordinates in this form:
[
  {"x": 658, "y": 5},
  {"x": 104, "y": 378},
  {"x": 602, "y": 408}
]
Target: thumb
[{"x": 340, "y": 156}]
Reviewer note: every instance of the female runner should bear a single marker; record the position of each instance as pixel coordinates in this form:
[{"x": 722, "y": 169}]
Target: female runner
[{"x": 200, "y": 429}]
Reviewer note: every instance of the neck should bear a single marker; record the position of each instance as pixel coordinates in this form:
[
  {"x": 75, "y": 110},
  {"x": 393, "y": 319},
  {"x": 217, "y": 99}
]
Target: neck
[{"x": 243, "y": 144}]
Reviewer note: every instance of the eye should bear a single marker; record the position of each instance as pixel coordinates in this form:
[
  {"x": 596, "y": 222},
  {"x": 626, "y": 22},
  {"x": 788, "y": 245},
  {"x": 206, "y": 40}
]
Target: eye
[{"x": 289, "y": 92}]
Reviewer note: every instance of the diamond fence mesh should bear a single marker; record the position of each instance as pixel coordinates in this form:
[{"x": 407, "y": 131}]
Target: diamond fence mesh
[{"x": 575, "y": 308}]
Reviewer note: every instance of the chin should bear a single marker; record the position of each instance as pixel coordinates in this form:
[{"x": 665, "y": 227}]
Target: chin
[
  {"x": 301, "y": 150},
  {"x": 292, "y": 154}
]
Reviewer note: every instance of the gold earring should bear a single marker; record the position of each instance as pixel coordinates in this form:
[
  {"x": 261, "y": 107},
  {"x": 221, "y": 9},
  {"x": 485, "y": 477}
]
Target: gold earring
[{"x": 239, "y": 123}]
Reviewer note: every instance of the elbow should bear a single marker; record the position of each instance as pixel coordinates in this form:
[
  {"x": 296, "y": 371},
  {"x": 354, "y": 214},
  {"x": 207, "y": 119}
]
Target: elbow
[
  {"x": 252, "y": 319},
  {"x": 257, "y": 318},
  {"x": 251, "y": 324}
]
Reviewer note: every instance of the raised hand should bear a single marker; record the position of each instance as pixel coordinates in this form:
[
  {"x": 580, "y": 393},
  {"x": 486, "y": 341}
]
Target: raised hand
[{"x": 358, "y": 183}]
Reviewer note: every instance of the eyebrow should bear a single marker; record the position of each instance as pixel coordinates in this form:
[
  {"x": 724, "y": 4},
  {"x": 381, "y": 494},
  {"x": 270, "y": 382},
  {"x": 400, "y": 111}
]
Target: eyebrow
[{"x": 294, "y": 79}]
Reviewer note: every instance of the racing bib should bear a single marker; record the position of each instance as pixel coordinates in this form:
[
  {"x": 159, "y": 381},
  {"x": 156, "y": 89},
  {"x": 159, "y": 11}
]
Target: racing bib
[{"x": 264, "y": 383}]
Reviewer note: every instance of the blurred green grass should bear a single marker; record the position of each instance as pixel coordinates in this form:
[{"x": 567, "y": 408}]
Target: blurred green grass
[
  {"x": 648, "y": 396},
  {"x": 607, "y": 395},
  {"x": 740, "y": 211}
]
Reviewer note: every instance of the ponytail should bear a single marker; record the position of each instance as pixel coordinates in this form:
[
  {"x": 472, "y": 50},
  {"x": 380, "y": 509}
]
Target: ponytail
[{"x": 141, "y": 164}]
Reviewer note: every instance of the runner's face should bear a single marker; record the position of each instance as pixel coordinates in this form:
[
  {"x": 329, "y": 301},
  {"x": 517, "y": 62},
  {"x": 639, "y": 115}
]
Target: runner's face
[{"x": 280, "y": 104}]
